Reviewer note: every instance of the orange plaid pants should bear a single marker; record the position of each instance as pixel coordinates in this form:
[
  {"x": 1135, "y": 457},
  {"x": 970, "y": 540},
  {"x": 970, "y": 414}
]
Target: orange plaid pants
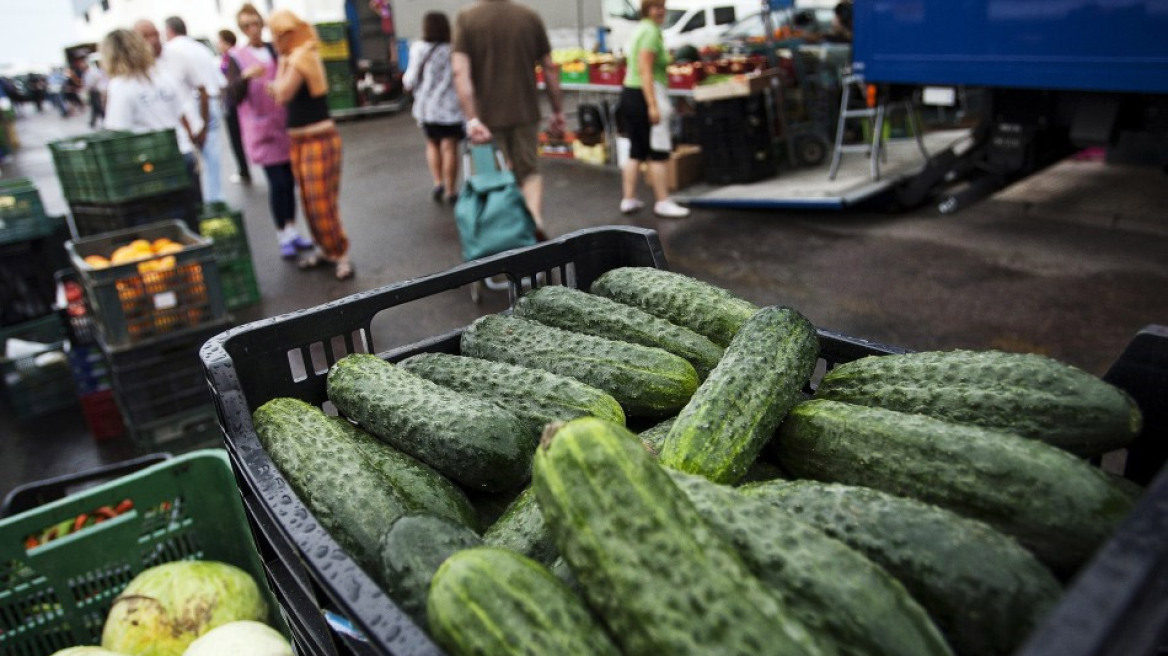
[{"x": 316, "y": 162}]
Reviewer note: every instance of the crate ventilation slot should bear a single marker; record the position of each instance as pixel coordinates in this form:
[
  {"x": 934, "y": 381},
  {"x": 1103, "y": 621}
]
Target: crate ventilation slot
[{"x": 321, "y": 355}]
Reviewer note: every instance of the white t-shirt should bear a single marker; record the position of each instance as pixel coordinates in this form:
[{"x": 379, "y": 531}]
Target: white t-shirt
[
  {"x": 193, "y": 65},
  {"x": 144, "y": 105},
  {"x": 261, "y": 53}
]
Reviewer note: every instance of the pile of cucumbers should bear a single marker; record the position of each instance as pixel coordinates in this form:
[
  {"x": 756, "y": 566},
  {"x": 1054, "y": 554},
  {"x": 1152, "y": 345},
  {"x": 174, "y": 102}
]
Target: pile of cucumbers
[{"x": 674, "y": 486}]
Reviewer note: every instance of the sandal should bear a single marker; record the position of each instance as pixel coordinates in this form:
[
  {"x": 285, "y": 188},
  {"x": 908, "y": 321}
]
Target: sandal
[
  {"x": 312, "y": 261},
  {"x": 344, "y": 270}
]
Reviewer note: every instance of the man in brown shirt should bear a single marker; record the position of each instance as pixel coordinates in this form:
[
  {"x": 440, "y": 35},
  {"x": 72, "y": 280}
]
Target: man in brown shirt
[{"x": 497, "y": 44}]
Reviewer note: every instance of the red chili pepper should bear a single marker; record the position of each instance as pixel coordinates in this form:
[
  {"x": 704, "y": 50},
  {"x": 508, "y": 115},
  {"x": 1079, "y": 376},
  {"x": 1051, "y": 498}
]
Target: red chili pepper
[
  {"x": 31, "y": 542},
  {"x": 79, "y": 522},
  {"x": 105, "y": 512},
  {"x": 125, "y": 506}
]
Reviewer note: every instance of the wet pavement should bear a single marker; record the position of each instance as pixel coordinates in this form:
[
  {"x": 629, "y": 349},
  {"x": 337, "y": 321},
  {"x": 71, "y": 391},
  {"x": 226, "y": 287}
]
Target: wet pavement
[{"x": 1069, "y": 263}]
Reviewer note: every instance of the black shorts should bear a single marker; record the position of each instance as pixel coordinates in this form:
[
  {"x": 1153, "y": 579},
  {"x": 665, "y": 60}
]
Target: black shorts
[
  {"x": 635, "y": 114},
  {"x": 438, "y": 131}
]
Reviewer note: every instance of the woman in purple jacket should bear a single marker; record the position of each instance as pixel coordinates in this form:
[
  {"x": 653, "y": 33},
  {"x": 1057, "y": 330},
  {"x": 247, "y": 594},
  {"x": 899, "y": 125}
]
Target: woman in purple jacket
[{"x": 262, "y": 122}]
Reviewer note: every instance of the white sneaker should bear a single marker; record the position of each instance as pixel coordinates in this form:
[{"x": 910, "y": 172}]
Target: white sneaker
[
  {"x": 669, "y": 209},
  {"x": 630, "y": 205}
]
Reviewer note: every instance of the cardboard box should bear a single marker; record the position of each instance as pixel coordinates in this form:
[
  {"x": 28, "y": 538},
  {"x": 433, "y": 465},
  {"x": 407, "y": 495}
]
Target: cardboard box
[
  {"x": 684, "y": 167},
  {"x": 744, "y": 85}
]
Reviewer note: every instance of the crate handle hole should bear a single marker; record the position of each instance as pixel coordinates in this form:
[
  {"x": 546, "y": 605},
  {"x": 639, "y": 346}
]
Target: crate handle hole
[
  {"x": 320, "y": 363},
  {"x": 339, "y": 348},
  {"x": 296, "y": 365}
]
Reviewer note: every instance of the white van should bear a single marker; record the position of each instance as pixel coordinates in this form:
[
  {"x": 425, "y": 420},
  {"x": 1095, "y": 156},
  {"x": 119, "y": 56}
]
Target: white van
[{"x": 687, "y": 22}]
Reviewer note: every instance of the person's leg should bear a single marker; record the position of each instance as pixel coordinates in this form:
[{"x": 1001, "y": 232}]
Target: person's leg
[
  {"x": 212, "y": 153},
  {"x": 317, "y": 164},
  {"x": 449, "y": 158},
  {"x": 434, "y": 162},
  {"x": 523, "y": 155},
  {"x": 658, "y": 179},
  {"x": 244, "y": 171},
  {"x": 194, "y": 194},
  {"x": 630, "y": 172},
  {"x": 94, "y": 108}
]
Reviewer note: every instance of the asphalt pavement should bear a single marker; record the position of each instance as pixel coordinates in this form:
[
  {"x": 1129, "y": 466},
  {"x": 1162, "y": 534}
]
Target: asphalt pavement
[{"x": 1070, "y": 263}]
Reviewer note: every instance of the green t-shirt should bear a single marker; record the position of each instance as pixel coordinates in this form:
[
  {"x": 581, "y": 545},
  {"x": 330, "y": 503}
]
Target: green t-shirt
[{"x": 647, "y": 36}]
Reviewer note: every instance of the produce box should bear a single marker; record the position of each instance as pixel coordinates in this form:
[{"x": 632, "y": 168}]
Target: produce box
[
  {"x": 225, "y": 227},
  {"x": 574, "y": 73},
  {"x": 22, "y": 215},
  {"x": 38, "y": 381},
  {"x": 738, "y": 85},
  {"x": 111, "y": 166},
  {"x": 323, "y": 590},
  {"x": 611, "y": 74},
  {"x": 332, "y": 32},
  {"x": 684, "y": 76},
  {"x": 57, "y": 594},
  {"x": 96, "y": 218},
  {"x": 334, "y": 50},
  {"x": 102, "y": 416},
  {"x": 26, "y": 278},
  {"x": 145, "y": 292}
]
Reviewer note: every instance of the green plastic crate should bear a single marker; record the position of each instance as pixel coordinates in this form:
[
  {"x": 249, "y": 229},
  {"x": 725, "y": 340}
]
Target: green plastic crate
[
  {"x": 41, "y": 382},
  {"x": 190, "y": 430},
  {"x": 227, "y": 249},
  {"x": 111, "y": 166},
  {"x": 240, "y": 288},
  {"x": 22, "y": 214},
  {"x": 332, "y": 32},
  {"x": 57, "y": 595}
]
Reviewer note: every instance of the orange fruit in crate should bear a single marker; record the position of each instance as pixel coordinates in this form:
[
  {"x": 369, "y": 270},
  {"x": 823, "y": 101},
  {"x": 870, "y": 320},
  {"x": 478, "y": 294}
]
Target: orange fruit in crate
[
  {"x": 141, "y": 245},
  {"x": 132, "y": 295},
  {"x": 125, "y": 254},
  {"x": 167, "y": 248},
  {"x": 97, "y": 261}
]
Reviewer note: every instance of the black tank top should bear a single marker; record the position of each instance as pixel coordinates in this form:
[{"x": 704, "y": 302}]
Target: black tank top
[{"x": 304, "y": 109}]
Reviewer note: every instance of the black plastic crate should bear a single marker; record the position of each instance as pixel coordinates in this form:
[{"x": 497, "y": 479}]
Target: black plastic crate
[
  {"x": 40, "y": 382},
  {"x": 153, "y": 296},
  {"x": 97, "y": 218},
  {"x": 290, "y": 355},
  {"x": 162, "y": 377},
  {"x": 197, "y": 428},
  {"x": 27, "y": 286}
]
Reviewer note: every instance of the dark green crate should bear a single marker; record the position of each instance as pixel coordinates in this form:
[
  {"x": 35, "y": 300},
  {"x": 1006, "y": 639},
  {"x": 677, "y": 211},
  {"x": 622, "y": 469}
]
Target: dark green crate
[
  {"x": 110, "y": 167},
  {"x": 57, "y": 595},
  {"x": 227, "y": 249},
  {"x": 41, "y": 382},
  {"x": 132, "y": 306},
  {"x": 240, "y": 288},
  {"x": 22, "y": 214},
  {"x": 186, "y": 431},
  {"x": 342, "y": 100},
  {"x": 332, "y": 32}
]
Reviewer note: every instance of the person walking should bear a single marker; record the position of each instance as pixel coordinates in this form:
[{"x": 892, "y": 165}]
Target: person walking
[
  {"x": 230, "y": 116},
  {"x": 301, "y": 85},
  {"x": 436, "y": 106},
  {"x": 646, "y": 109},
  {"x": 263, "y": 125},
  {"x": 55, "y": 90},
  {"x": 142, "y": 97},
  {"x": 95, "y": 82},
  {"x": 497, "y": 44}
]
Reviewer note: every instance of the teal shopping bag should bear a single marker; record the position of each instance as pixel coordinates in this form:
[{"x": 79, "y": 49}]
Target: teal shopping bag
[{"x": 491, "y": 214}]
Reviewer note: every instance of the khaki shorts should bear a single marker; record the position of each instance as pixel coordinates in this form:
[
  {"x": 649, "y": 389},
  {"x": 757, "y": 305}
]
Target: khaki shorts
[{"x": 520, "y": 146}]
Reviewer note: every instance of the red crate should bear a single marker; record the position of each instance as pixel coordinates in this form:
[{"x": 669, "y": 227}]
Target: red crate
[
  {"x": 610, "y": 74},
  {"x": 102, "y": 415},
  {"x": 685, "y": 76}
]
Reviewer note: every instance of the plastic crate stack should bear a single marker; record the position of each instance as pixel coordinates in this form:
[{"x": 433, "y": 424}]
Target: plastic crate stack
[
  {"x": 737, "y": 140},
  {"x": 225, "y": 228},
  {"x": 91, "y": 373},
  {"x": 34, "y": 374},
  {"x": 152, "y": 313},
  {"x": 334, "y": 50},
  {"x": 114, "y": 180}
]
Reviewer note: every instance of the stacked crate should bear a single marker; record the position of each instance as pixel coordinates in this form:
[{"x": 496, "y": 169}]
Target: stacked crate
[
  {"x": 225, "y": 228},
  {"x": 152, "y": 314},
  {"x": 114, "y": 180},
  {"x": 737, "y": 140},
  {"x": 92, "y": 378},
  {"x": 334, "y": 50},
  {"x": 34, "y": 374}
]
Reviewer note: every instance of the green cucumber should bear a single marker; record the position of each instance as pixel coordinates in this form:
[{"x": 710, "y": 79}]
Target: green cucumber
[
  {"x": 537, "y": 397},
  {"x": 521, "y": 529},
  {"x": 412, "y": 550},
  {"x": 660, "y": 577},
  {"x": 736, "y": 410},
  {"x": 825, "y": 583},
  {"x": 497, "y": 602},
  {"x": 1031, "y": 395},
  {"x": 985, "y": 592},
  {"x": 646, "y": 381},
  {"x": 1056, "y": 505},
  {"x": 579, "y": 311},
  {"x": 654, "y": 436},
  {"x": 471, "y": 441},
  {"x": 703, "y": 308}
]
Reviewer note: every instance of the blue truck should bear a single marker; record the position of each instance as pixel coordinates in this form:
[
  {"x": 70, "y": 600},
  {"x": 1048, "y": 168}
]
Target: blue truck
[{"x": 1057, "y": 74}]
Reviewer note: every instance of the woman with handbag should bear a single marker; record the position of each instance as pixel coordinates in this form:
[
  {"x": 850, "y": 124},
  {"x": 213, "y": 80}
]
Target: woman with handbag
[
  {"x": 301, "y": 86},
  {"x": 431, "y": 79}
]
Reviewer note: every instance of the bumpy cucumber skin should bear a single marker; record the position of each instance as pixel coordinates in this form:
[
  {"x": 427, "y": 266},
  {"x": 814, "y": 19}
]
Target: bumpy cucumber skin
[
  {"x": 537, "y": 397},
  {"x": 736, "y": 410},
  {"x": 646, "y": 381},
  {"x": 325, "y": 468},
  {"x": 985, "y": 592},
  {"x": 497, "y": 602},
  {"x": 1031, "y": 395},
  {"x": 1056, "y": 505},
  {"x": 703, "y": 308},
  {"x": 522, "y": 529},
  {"x": 660, "y": 577},
  {"x": 416, "y": 482},
  {"x": 579, "y": 311},
  {"x": 412, "y": 550},
  {"x": 471, "y": 441},
  {"x": 825, "y": 584}
]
